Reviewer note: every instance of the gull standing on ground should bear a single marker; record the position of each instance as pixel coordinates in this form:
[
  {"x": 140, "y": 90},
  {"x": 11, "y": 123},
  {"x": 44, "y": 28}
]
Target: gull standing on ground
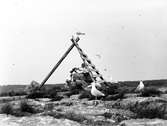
[
  {"x": 94, "y": 91},
  {"x": 140, "y": 87}
]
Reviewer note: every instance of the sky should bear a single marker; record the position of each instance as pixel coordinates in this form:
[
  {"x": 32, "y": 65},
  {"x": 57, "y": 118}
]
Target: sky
[{"x": 125, "y": 39}]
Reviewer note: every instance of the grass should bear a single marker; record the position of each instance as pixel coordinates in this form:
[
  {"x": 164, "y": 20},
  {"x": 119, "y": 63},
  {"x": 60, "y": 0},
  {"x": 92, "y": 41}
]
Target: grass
[
  {"x": 151, "y": 112},
  {"x": 75, "y": 117},
  {"x": 120, "y": 95},
  {"x": 19, "y": 90},
  {"x": 68, "y": 115},
  {"x": 46, "y": 93},
  {"x": 49, "y": 106},
  {"x": 25, "y": 107},
  {"x": 13, "y": 93},
  {"x": 7, "y": 109},
  {"x": 34, "y": 95},
  {"x": 150, "y": 91},
  {"x": 85, "y": 94},
  {"x": 82, "y": 119}
]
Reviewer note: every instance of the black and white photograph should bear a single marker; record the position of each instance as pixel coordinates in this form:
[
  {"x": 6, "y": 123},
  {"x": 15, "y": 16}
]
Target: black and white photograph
[{"x": 83, "y": 63}]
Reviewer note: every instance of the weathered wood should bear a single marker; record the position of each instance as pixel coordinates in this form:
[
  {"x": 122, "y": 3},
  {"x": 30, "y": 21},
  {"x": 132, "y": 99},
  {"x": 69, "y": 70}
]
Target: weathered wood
[{"x": 58, "y": 63}]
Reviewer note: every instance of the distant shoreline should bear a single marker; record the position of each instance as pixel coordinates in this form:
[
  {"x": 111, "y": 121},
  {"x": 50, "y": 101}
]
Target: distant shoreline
[{"x": 122, "y": 81}]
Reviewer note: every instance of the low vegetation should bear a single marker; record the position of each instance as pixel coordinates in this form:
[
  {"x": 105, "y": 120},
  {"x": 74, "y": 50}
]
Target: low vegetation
[
  {"x": 13, "y": 93},
  {"x": 80, "y": 118},
  {"x": 7, "y": 109},
  {"x": 86, "y": 94},
  {"x": 68, "y": 115},
  {"x": 150, "y": 111},
  {"x": 75, "y": 117},
  {"x": 114, "y": 92},
  {"x": 38, "y": 94},
  {"x": 74, "y": 88},
  {"x": 150, "y": 91},
  {"x": 46, "y": 93},
  {"x": 119, "y": 95},
  {"x": 25, "y": 107}
]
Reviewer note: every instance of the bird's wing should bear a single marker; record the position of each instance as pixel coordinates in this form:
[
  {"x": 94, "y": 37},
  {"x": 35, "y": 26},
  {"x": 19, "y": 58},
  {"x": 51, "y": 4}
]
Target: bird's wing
[
  {"x": 99, "y": 93},
  {"x": 138, "y": 87}
]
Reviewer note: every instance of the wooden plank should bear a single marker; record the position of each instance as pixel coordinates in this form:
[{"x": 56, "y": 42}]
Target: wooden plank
[{"x": 58, "y": 63}]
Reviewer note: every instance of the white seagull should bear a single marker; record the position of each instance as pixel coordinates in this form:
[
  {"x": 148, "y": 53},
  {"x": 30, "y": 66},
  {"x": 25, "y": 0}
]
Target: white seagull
[
  {"x": 94, "y": 91},
  {"x": 140, "y": 87}
]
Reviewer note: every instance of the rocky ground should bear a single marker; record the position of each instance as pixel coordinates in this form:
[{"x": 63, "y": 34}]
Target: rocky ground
[{"x": 132, "y": 110}]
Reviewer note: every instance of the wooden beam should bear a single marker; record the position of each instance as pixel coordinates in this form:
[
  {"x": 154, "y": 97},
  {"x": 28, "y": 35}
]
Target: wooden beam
[{"x": 59, "y": 62}]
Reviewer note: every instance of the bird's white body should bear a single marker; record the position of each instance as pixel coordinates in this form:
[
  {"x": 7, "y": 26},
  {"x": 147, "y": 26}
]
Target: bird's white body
[
  {"x": 94, "y": 90},
  {"x": 140, "y": 86}
]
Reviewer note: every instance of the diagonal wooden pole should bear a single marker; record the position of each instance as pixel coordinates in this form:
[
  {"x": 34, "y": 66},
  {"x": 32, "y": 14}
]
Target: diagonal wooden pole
[
  {"x": 90, "y": 66},
  {"x": 58, "y": 63}
]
